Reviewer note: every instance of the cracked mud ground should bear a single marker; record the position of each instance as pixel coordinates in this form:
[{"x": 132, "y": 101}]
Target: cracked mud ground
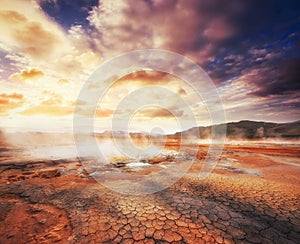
[{"x": 41, "y": 203}]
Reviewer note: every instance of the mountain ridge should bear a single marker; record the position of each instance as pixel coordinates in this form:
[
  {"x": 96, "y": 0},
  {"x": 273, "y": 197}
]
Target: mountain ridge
[{"x": 247, "y": 129}]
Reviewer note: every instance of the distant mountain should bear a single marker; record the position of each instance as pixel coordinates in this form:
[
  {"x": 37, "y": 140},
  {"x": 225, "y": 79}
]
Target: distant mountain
[{"x": 246, "y": 129}]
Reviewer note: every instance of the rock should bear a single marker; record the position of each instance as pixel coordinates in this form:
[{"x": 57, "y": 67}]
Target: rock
[{"x": 49, "y": 173}]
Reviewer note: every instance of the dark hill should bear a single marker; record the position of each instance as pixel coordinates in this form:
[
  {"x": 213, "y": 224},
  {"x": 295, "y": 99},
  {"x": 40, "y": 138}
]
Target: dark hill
[{"x": 247, "y": 129}]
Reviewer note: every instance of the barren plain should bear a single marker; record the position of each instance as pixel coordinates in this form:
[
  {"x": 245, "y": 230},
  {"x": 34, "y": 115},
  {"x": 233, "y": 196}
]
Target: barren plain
[{"x": 252, "y": 196}]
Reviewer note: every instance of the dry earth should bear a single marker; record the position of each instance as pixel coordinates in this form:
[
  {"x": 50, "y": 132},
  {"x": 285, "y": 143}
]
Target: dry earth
[{"x": 252, "y": 196}]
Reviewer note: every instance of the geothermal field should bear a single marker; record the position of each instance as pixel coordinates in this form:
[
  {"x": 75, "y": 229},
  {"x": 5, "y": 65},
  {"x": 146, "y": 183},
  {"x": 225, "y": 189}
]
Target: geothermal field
[{"x": 48, "y": 195}]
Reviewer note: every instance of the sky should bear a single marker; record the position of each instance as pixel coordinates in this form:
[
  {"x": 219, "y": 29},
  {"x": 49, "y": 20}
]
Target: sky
[{"x": 49, "y": 48}]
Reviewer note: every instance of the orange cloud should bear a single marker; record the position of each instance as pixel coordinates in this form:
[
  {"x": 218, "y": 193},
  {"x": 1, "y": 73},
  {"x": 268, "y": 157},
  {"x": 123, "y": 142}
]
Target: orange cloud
[
  {"x": 4, "y": 101},
  {"x": 10, "y": 101},
  {"x": 14, "y": 96},
  {"x": 146, "y": 77},
  {"x": 27, "y": 75}
]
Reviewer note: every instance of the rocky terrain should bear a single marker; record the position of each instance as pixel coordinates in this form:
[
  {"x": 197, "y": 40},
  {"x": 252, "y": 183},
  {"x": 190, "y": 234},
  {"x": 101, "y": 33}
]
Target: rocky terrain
[{"x": 252, "y": 196}]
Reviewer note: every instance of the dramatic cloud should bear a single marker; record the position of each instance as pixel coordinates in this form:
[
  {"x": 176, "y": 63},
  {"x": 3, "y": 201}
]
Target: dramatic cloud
[
  {"x": 213, "y": 34},
  {"x": 28, "y": 31},
  {"x": 198, "y": 28},
  {"x": 32, "y": 39},
  {"x": 146, "y": 77},
  {"x": 290, "y": 75},
  {"x": 273, "y": 79},
  {"x": 68, "y": 13},
  {"x": 249, "y": 48}
]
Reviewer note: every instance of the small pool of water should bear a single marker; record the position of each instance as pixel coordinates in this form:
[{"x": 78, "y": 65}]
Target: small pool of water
[{"x": 137, "y": 164}]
